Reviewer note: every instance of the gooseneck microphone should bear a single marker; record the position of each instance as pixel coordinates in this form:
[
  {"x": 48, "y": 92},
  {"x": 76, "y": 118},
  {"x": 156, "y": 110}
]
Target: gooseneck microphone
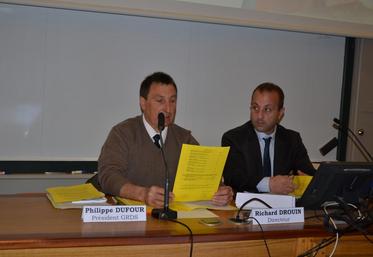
[
  {"x": 160, "y": 123},
  {"x": 325, "y": 149},
  {"x": 354, "y": 138},
  {"x": 166, "y": 212}
]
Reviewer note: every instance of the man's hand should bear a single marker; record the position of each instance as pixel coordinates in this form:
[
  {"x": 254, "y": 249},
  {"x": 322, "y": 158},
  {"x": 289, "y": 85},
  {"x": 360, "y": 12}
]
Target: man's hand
[
  {"x": 223, "y": 196},
  {"x": 281, "y": 184},
  {"x": 154, "y": 196}
]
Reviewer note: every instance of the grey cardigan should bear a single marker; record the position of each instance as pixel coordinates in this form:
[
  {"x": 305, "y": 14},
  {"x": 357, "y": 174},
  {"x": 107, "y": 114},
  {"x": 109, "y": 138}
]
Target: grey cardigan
[{"x": 129, "y": 155}]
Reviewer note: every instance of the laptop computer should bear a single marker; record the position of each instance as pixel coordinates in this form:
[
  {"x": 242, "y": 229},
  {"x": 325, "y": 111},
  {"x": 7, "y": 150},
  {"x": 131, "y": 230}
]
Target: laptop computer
[{"x": 338, "y": 181}]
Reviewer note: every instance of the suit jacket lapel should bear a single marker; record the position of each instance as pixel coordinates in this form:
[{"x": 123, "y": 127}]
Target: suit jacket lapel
[{"x": 280, "y": 150}]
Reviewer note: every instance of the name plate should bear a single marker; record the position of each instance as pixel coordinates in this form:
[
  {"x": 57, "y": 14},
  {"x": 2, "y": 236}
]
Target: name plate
[
  {"x": 278, "y": 215},
  {"x": 114, "y": 213}
]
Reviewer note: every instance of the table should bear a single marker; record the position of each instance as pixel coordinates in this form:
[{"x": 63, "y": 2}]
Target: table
[{"x": 30, "y": 226}]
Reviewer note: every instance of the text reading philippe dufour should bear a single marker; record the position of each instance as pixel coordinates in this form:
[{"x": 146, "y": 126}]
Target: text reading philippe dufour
[{"x": 114, "y": 213}]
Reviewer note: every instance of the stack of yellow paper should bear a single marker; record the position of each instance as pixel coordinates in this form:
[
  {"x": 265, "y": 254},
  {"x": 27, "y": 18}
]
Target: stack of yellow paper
[{"x": 76, "y": 196}]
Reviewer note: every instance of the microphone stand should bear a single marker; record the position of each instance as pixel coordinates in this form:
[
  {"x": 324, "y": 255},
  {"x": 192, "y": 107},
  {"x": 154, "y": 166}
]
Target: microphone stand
[
  {"x": 360, "y": 146},
  {"x": 166, "y": 212}
]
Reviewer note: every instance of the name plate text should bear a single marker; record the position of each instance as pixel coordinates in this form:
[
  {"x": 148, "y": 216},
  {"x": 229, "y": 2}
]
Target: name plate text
[
  {"x": 278, "y": 215},
  {"x": 114, "y": 213}
]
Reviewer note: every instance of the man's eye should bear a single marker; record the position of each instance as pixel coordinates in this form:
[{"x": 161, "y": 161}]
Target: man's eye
[{"x": 268, "y": 109}]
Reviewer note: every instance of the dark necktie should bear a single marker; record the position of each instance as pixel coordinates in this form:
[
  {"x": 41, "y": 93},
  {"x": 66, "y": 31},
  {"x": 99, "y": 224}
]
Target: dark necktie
[
  {"x": 156, "y": 138},
  {"x": 266, "y": 158}
]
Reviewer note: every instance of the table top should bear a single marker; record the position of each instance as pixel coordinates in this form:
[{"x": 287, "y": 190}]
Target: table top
[{"x": 29, "y": 220}]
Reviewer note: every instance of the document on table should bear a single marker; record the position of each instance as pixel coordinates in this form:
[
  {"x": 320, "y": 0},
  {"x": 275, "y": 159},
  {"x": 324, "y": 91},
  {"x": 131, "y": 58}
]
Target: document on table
[
  {"x": 189, "y": 206},
  {"x": 75, "y": 193},
  {"x": 76, "y": 196},
  {"x": 199, "y": 172},
  {"x": 184, "y": 210}
]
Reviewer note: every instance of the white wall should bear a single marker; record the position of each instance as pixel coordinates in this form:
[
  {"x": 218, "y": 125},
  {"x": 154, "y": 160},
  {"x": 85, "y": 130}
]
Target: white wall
[{"x": 68, "y": 76}]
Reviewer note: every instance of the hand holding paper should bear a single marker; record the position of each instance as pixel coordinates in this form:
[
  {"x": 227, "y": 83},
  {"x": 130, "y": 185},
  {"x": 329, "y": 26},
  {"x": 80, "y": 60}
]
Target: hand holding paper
[{"x": 302, "y": 183}]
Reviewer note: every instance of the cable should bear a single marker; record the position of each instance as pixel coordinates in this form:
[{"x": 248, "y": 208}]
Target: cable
[
  {"x": 190, "y": 233},
  {"x": 316, "y": 248},
  {"x": 237, "y": 218},
  {"x": 358, "y": 222},
  {"x": 262, "y": 232},
  {"x": 352, "y": 215},
  {"x": 336, "y": 236},
  {"x": 335, "y": 228},
  {"x": 335, "y": 244}
]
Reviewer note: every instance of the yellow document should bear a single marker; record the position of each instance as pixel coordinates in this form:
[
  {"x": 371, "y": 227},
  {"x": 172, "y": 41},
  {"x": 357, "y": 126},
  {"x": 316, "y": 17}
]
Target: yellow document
[
  {"x": 74, "y": 193},
  {"x": 179, "y": 206},
  {"x": 199, "y": 172},
  {"x": 189, "y": 206},
  {"x": 127, "y": 201},
  {"x": 184, "y": 210},
  {"x": 302, "y": 182}
]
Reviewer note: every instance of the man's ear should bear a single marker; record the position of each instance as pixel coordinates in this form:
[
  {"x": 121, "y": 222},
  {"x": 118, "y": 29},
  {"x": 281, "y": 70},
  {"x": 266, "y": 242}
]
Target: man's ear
[
  {"x": 282, "y": 114},
  {"x": 142, "y": 103}
]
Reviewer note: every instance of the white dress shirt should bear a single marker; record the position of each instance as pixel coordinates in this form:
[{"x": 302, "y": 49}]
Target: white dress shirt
[
  {"x": 263, "y": 185},
  {"x": 152, "y": 132}
]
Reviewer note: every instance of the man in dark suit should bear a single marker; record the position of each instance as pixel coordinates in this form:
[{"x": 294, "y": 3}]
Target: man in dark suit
[{"x": 263, "y": 154}]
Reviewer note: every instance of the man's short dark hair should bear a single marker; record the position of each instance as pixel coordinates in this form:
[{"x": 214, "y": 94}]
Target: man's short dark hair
[
  {"x": 156, "y": 77},
  {"x": 271, "y": 87}
]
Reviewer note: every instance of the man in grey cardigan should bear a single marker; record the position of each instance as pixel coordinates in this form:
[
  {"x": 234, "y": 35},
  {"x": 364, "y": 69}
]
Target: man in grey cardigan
[{"x": 130, "y": 164}]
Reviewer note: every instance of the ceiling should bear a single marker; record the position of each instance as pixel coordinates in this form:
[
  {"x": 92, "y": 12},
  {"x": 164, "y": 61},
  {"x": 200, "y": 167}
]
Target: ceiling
[{"x": 348, "y": 18}]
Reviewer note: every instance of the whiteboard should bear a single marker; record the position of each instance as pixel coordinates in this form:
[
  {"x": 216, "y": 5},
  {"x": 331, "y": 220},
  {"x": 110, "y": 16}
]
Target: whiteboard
[{"x": 66, "y": 77}]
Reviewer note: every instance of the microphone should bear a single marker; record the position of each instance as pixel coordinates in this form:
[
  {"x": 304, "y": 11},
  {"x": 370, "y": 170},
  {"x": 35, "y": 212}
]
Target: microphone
[
  {"x": 160, "y": 122},
  {"x": 354, "y": 138},
  {"x": 166, "y": 212},
  {"x": 325, "y": 149}
]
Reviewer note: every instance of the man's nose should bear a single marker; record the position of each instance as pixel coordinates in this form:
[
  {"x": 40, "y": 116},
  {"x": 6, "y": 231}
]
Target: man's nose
[
  {"x": 261, "y": 113},
  {"x": 167, "y": 107}
]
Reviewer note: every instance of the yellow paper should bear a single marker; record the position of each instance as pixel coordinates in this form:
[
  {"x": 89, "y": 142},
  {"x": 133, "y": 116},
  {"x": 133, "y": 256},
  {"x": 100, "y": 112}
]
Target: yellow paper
[
  {"x": 74, "y": 193},
  {"x": 302, "y": 183},
  {"x": 196, "y": 214},
  {"x": 189, "y": 206},
  {"x": 180, "y": 206},
  {"x": 127, "y": 201},
  {"x": 199, "y": 172}
]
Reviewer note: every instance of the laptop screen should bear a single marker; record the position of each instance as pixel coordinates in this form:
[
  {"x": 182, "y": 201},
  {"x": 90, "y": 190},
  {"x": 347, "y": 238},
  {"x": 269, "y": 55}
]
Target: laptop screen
[{"x": 338, "y": 181}]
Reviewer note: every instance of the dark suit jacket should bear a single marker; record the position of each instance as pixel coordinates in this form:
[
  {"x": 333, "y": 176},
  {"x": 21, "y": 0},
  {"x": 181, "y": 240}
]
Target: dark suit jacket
[{"x": 243, "y": 169}]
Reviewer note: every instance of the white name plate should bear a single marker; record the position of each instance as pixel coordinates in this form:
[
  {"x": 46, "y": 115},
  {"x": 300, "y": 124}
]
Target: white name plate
[
  {"x": 278, "y": 215},
  {"x": 114, "y": 213}
]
